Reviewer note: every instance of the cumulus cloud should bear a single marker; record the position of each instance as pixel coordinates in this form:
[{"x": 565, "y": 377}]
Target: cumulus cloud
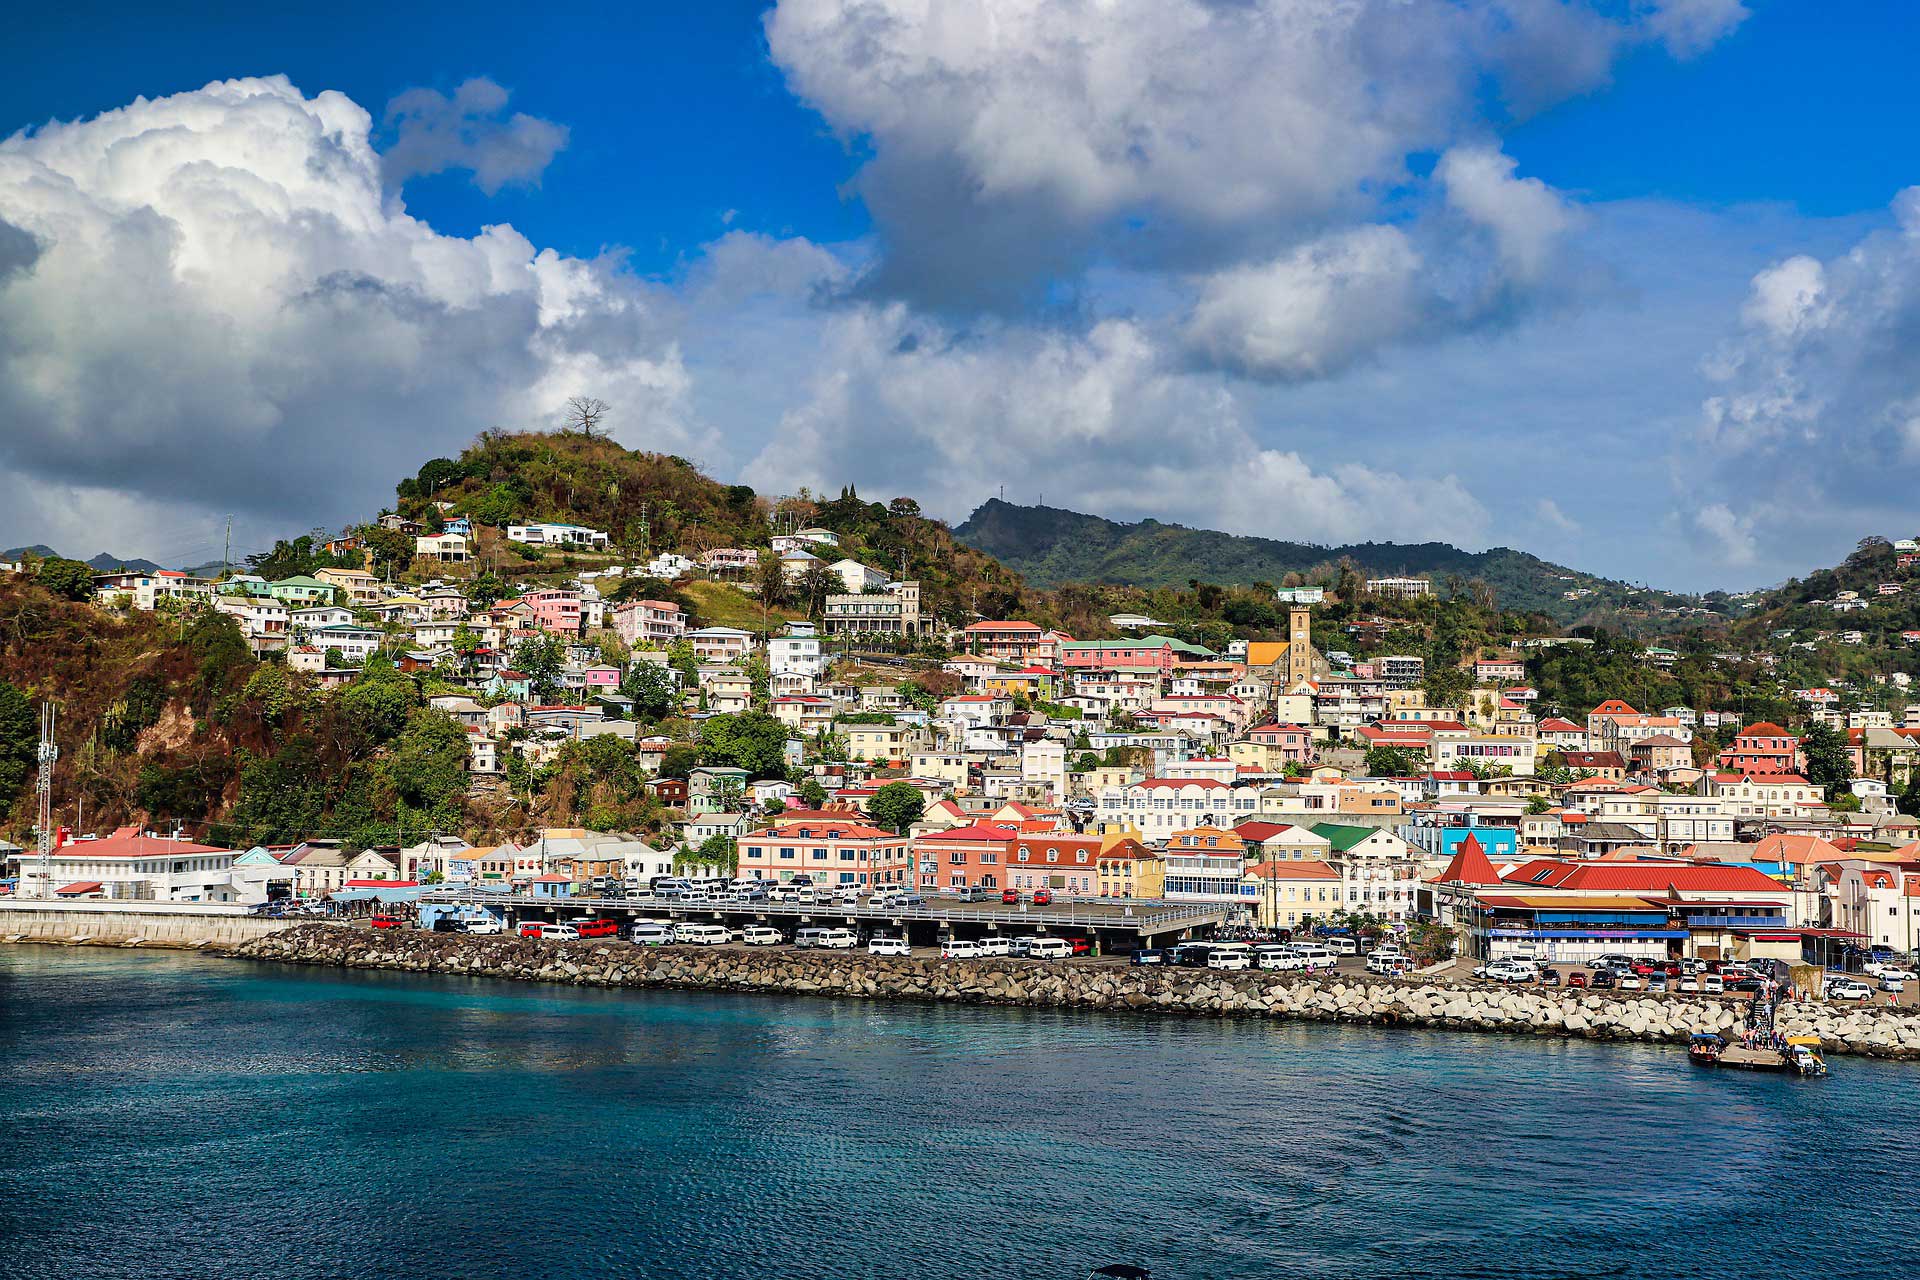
[
  {"x": 1690, "y": 27},
  {"x": 1550, "y": 514},
  {"x": 1489, "y": 250},
  {"x": 1729, "y": 536},
  {"x": 225, "y": 305},
  {"x": 1101, "y": 421},
  {"x": 1011, "y": 141},
  {"x": 434, "y": 133},
  {"x": 1814, "y": 420}
]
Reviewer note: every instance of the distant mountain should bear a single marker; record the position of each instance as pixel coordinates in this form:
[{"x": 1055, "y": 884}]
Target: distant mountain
[
  {"x": 1049, "y": 546},
  {"x": 105, "y": 562}
]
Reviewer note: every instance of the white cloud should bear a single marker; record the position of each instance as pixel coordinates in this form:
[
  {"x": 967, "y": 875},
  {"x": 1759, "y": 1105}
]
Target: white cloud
[
  {"x": 1490, "y": 252},
  {"x": 1553, "y": 517},
  {"x": 434, "y": 133},
  {"x": 225, "y": 305},
  {"x": 1012, "y": 140},
  {"x": 1690, "y": 27},
  {"x": 1101, "y": 422},
  {"x": 1730, "y": 537}
]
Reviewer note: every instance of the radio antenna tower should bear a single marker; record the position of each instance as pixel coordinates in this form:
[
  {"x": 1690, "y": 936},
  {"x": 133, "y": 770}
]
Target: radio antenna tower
[{"x": 43, "y": 788}]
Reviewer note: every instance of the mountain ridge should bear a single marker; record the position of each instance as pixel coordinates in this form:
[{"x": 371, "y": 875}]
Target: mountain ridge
[{"x": 1050, "y": 546}]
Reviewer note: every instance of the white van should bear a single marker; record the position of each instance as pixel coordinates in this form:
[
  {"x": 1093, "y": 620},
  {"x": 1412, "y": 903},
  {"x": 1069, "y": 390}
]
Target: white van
[
  {"x": 809, "y": 938},
  {"x": 1229, "y": 958},
  {"x": 838, "y": 939},
  {"x": 562, "y": 932},
  {"x": 703, "y": 935},
  {"x": 762, "y": 935},
  {"x": 959, "y": 949},
  {"x": 995, "y": 947},
  {"x": 650, "y": 933},
  {"x": 1314, "y": 953},
  {"x": 1277, "y": 956},
  {"x": 1342, "y": 946},
  {"x": 1049, "y": 949}
]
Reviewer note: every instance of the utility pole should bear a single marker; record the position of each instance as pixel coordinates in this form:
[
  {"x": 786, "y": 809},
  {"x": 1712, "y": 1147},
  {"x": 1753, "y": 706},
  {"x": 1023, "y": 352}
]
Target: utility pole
[
  {"x": 43, "y": 788},
  {"x": 226, "y": 556}
]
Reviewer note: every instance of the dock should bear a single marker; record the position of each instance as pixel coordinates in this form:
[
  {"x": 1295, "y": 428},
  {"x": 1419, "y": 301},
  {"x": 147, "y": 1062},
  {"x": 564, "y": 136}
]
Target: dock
[{"x": 1114, "y": 924}]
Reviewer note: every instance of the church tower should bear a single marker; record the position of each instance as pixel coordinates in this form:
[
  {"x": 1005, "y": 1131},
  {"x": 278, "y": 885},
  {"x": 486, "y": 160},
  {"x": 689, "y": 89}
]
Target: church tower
[{"x": 1299, "y": 645}]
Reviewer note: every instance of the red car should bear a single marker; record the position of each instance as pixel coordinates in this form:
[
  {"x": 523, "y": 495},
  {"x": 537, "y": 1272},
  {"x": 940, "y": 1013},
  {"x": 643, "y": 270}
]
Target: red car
[
  {"x": 1080, "y": 946},
  {"x": 1576, "y": 979},
  {"x": 1009, "y": 896},
  {"x": 530, "y": 928},
  {"x": 1041, "y": 897},
  {"x": 1646, "y": 968},
  {"x": 389, "y": 922},
  {"x": 596, "y": 928}
]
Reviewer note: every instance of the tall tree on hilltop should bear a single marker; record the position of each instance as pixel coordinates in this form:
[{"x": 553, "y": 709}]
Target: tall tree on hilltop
[{"x": 586, "y": 414}]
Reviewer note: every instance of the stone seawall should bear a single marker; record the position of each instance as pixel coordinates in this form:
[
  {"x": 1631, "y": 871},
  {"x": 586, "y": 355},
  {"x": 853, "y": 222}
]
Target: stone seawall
[
  {"x": 140, "y": 924},
  {"x": 1879, "y": 1032}
]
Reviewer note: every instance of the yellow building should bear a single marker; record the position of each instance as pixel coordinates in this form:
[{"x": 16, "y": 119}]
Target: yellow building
[
  {"x": 1128, "y": 869},
  {"x": 1291, "y": 895}
]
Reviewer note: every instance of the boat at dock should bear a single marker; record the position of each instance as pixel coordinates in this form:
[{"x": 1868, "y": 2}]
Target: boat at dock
[{"x": 1801, "y": 1054}]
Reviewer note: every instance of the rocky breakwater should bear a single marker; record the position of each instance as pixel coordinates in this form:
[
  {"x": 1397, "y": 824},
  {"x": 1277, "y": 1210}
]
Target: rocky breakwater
[{"x": 1544, "y": 1011}]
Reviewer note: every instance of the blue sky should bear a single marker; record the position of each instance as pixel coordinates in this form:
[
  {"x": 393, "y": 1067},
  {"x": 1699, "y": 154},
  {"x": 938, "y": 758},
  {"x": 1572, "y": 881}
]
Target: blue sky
[{"x": 1621, "y": 283}]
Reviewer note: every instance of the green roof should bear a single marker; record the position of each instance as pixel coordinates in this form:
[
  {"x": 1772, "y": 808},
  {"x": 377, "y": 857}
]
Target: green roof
[
  {"x": 302, "y": 581},
  {"x": 1179, "y": 646},
  {"x": 1342, "y": 838}
]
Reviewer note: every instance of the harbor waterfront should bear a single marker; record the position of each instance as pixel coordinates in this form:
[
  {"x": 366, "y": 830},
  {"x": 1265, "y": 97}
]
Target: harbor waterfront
[
  {"x": 1349, "y": 997},
  {"x": 174, "y": 1115}
]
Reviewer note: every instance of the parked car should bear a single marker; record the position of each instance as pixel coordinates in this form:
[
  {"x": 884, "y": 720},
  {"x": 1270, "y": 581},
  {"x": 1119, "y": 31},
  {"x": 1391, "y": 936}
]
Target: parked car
[
  {"x": 884, "y": 946},
  {"x": 703, "y": 935},
  {"x": 489, "y": 925},
  {"x": 1712, "y": 984},
  {"x": 1049, "y": 949},
  {"x": 992, "y": 946},
  {"x": 1576, "y": 979},
  {"x": 1631, "y": 981},
  {"x": 603, "y": 928},
  {"x": 762, "y": 935},
  {"x": 1688, "y": 983},
  {"x": 1848, "y": 989},
  {"x": 1892, "y": 982},
  {"x": 972, "y": 893},
  {"x": 648, "y": 933},
  {"x": 1009, "y": 896},
  {"x": 959, "y": 949},
  {"x": 1225, "y": 958},
  {"x": 1657, "y": 982},
  {"x": 387, "y": 921},
  {"x": 1042, "y": 897},
  {"x": 530, "y": 928},
  {"x": 838, "y": 940},
  {"x": 558, "y": 933},
  {"x": 1603, "y": 980},
  {"x": 1080, "y": 946},
  {"x": 1148, "y": 955}
]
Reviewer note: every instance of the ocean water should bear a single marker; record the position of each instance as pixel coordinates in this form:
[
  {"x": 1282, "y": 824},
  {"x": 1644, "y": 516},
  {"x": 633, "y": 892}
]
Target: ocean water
[{"x": 183, "y": 1116}]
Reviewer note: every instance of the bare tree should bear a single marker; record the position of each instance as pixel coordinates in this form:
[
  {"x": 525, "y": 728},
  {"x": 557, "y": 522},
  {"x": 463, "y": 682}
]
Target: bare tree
[{"x": 584, "y": 413}]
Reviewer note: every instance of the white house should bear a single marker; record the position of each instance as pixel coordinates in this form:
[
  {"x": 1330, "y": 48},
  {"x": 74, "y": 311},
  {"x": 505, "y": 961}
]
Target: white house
[
  {"x": 135, "y": 865},
  {"x": 859, "y": 577},
  {"x": 450, "y": 548},
  {"x": 557, "y": 535}
]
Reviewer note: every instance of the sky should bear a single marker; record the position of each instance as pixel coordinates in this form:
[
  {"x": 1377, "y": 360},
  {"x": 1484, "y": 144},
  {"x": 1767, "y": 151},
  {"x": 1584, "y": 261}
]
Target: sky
[{"x": 1627, "y": 283}]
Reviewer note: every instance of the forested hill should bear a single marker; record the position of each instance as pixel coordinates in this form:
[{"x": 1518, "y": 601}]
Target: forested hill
[{"x": 1049, "y": 546}]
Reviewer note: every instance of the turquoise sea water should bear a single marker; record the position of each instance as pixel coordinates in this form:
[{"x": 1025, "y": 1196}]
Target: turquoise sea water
[{"x": 182, "y": 1116}]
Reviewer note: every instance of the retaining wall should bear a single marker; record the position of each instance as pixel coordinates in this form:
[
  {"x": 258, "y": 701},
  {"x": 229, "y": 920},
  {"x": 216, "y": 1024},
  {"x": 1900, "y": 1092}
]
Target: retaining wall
[
  {"x": 1878, "y": 1032},
  {"x": 157, "y": 924}
]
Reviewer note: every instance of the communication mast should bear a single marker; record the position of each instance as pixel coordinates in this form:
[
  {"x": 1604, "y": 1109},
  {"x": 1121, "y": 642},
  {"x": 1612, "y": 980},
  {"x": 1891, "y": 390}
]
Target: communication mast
[{"x": 43, "y": 789}]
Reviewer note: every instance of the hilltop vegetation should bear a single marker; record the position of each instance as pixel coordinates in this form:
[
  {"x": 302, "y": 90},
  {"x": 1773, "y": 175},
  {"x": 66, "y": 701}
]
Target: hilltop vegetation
[{"x": 1050, "y": 546}]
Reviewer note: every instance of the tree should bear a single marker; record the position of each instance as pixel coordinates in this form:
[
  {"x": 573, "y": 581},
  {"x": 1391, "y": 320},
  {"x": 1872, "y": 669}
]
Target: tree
[
  {"x": 654, "y": 694},
  {"x": 1909, "y": 801},
  {"x": 19, "y": 743},
  {"x": 770, "y": 577},
  {"x": 542, "y": 660},
  {"x": 388, "y": 547},
  {"x": 814, "y": 796},
  {"x": 585, "y": 414},
  {"x": 376, "y": 706},
  {"x": 903, "y": 508},
  {"x": 816, "y": 584},
  {"x": 71, "y": 579},
  {"x": 750, "y": 740},
  {"x": 1446, "y": 685},
  {"x": 1538, "y": 804},
  {"x": 678, "y": 761},
  {"x": 1828, "y": 764},
  {"x": 486, "y": 590},
  {"x": 1395, "y": 762},
  {"x": 897, "y": 806}
]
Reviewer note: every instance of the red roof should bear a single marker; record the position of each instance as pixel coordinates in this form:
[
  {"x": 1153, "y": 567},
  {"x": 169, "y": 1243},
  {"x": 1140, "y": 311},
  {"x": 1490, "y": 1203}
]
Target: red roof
[
  {"x": 385, "y": 884},
  {"x": 1005, "y": 626},
  {"x": 827, "y": 829},
  {"x": 129, "y": 842},
  {"x": 978, "y": 831},
  {"x": 1469, "y": 865},
  {"x": 1554, "y": 724},
  {"x": 1258, "y": 831},
  {"x": 552, "y": 879},
  {"x": 1643, "y": 877},
  {"x": 1765, "y": 729},
  {"x": 78, "y": 887},
  {"x": 1291, "y": 869}
]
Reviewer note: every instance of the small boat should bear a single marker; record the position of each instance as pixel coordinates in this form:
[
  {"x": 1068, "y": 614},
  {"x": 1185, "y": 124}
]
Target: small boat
[
  {"x": 1803, "y": 1056},
  {"x": 1704, "y": 1049}
]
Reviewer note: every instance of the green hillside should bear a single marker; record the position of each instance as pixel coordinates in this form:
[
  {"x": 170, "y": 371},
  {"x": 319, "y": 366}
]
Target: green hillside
[{"x": 1050, "y": 546}]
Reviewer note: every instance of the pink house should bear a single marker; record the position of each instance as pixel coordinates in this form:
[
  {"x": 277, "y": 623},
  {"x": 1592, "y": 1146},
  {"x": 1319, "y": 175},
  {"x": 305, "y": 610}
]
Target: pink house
[
  {"x": 1116, "y": 655},
  {"x": 554, "y": 610},
  {"x": 1290, "y": 740},
  {"x": 601, "y": 678},
  {"x": 649, "y": 623}
]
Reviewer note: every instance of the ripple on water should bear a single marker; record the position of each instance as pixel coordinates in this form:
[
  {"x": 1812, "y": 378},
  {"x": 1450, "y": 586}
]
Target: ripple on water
[{"x": 184, "y": 1116}]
